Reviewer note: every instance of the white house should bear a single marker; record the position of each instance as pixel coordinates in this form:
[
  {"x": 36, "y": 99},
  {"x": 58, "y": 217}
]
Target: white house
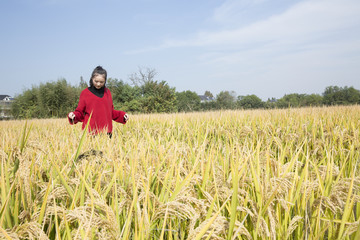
[
  {"x": 204, "y": 98},
  {"x": 5, "y": 106}
]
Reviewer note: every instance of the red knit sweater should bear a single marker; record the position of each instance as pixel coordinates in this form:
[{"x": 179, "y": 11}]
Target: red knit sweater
[{"x": 102, "y": 110}]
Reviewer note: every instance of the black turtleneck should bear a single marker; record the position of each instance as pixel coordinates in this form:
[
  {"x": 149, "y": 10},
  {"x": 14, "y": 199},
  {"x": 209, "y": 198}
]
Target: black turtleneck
[{"x": 97, "y": 92}]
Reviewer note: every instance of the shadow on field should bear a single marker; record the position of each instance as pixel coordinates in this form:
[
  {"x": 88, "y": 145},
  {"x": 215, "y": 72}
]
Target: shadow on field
[{"x": 90, "y": 153}]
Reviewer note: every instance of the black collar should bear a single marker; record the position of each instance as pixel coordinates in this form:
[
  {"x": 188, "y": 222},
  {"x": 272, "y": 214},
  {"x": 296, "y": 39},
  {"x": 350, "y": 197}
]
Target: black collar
[{"x": 97, "y": 92}]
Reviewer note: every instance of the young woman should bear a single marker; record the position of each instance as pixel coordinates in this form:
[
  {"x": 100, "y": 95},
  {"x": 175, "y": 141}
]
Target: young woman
[{"x": 96, "y": 101}]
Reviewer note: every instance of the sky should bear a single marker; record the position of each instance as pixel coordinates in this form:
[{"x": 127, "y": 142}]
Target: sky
[{"x": 264, "y": 47}]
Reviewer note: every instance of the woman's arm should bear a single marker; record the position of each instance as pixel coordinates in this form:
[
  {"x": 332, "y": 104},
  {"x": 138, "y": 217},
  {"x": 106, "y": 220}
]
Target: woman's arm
[
  {"x": 78, "y": 114},
  {"x": 119, "y": 116}
]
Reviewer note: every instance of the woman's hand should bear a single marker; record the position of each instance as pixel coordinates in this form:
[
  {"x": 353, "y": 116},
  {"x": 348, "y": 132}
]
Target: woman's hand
[
  {"x": 126, "y": 117},
  {"x": 71, "y": 115}
]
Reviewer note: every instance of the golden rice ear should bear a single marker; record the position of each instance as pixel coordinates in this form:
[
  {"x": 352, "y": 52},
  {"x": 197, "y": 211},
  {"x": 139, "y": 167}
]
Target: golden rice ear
[{"x": 283, "y": 173}]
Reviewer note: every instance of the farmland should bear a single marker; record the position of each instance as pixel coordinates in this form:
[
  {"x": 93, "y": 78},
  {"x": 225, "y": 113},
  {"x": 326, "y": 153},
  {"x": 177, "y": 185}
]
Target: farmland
[{"x": 260, "y": 174}]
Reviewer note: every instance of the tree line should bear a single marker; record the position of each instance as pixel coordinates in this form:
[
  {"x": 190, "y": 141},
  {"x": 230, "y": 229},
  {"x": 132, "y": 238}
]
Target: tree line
[{"x": 146, "y": 95}]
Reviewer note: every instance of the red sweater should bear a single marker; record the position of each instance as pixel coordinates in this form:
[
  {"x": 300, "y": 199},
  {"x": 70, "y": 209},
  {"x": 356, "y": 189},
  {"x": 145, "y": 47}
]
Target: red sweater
[{"x": 102, "y": 110}]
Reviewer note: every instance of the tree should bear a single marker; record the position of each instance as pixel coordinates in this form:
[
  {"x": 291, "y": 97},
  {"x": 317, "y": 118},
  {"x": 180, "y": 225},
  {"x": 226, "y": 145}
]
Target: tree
[
  {"x": 125, "y": 97},
  {"x": 51, "y": 99},
  {"x": 313, "y": 100},
  {"x": 209, "y": 94},
  {"x": 291, "y": 100},
  {"x": 25, "y": 105},
  {"x": 226, "y": 100},
  {"x": 187, "y": 101},
  {"x": 158, "y": 97},
  {"x": 270, "y": 103},
  {"x": 143, "y": 76},
  {"x": 250, "y": 101},
  {"x": 82, "y": 84},
  {"x": 154, "y": 96},
  {"x": 334, "y": 95}
]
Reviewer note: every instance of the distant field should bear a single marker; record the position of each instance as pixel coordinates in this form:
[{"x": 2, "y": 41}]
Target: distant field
[{"x": 261, "y": 174}]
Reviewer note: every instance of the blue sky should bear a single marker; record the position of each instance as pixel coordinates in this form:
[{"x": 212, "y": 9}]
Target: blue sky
[{"x": 264, "y": 47}]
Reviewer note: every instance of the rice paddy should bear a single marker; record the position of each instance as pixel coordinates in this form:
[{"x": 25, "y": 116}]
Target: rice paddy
[{"x": 261, "y": 174}]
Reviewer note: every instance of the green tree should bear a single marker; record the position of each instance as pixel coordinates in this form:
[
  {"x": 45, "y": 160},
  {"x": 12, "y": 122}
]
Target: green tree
[
  {"x": 270, "y": 103},
  {"x": 125, "y": 97},
  {"x": 51, "y": 99},
  {"x": 158, "y": 97},
  {"x": 313, "y": 100},
  {"x": 250, "y": 101},
  {"x": 226, "y": 100},
  {"x": 82, "y": 83},
  {"x": 334, "y": 95},
  {"x": 187, "y": 101},
  {"x": 154, "y": 96},
  {"x": 25, "y": 105},
  {"x": 209, "y": 94},
  {"x": 291, "y": 100}
]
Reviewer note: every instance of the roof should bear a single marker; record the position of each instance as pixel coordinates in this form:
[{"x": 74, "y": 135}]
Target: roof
[
  {"x": 5, "y": 97},
  {"x": 205, "y": 98}
]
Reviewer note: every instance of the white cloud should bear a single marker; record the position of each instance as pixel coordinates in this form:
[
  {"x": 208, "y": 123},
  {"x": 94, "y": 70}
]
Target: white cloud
[
  {"x": 304, "y": 21},
  {"x": 306, "y": 47},
  {"x": 325, "y": 27},
  {"x": 232, "y": 11}
]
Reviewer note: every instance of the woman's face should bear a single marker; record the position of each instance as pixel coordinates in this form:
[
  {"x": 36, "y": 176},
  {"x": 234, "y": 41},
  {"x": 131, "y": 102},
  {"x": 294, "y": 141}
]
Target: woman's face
[{"x": 98, "y": 81}]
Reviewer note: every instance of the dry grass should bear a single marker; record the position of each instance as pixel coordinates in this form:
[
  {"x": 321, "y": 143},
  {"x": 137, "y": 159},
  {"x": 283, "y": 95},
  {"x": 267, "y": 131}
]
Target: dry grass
[{"x": 264, "y": 174}]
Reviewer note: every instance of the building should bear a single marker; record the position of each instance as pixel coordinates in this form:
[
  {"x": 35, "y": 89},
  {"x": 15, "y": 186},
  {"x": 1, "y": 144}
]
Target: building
[
  {"x": 5, "y": 106},
  {"x": 204, "y": 98}
]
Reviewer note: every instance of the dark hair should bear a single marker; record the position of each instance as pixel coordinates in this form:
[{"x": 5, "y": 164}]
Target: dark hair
[{"x": 99, "y": 70}]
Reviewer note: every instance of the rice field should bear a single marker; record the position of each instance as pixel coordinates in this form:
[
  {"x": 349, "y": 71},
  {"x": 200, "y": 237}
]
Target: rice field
[{"x": 261, "y": 174}]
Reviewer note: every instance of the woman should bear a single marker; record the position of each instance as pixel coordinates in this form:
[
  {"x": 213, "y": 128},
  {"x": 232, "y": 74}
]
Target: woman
[{"x": 96, "y": 101}]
